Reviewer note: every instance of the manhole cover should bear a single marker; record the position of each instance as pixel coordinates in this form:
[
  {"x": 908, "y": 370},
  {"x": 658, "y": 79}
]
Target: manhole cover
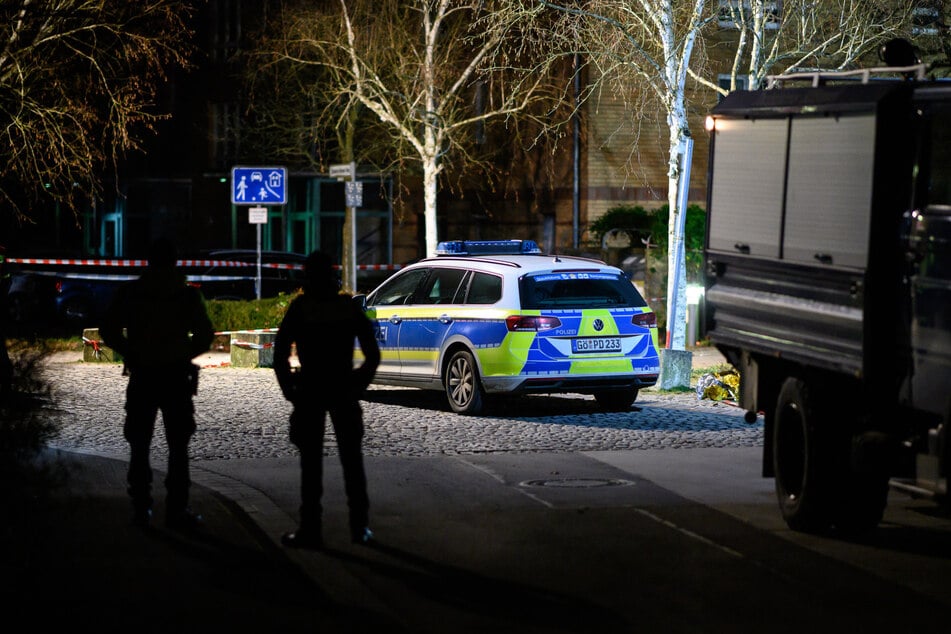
[{"x": 576, "y": 483}]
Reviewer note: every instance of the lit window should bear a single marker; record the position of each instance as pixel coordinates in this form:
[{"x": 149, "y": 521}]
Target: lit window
[{"x": 733, "y": 12}]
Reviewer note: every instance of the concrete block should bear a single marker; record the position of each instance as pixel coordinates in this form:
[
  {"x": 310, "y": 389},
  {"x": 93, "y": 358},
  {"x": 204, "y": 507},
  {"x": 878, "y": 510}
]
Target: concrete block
[
  {"x": 252, "y": 349},
  {"x": 675, "y": 367},
  {"x": 95, "y": 351}
]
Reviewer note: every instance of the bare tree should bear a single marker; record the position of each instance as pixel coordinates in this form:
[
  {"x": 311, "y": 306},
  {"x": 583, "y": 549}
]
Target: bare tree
[
  {"x": 78, "y": 79},
  {"x": 428, "y": 71},
  {"x": 649, "y": 43},
  {"x": 776, "y": 37}
]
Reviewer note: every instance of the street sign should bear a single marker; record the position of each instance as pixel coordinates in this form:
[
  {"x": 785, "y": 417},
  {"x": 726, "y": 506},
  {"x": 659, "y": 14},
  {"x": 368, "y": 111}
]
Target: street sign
[
  {"x": 257, "y": 215},
  {"x": 354, "y": 193},
  {"x": 258, "y": 186},
  {"x": 344, "y": 170}
]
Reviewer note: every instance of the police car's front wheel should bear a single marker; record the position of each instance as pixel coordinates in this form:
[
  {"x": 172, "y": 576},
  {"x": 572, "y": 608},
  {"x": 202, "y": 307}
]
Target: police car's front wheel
[{"x": 463, "y": 387}]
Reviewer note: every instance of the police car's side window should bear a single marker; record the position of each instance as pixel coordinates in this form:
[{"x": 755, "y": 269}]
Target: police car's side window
[
  {"x": 441, "y": 286},
  {"x": 399, "y": 289},
  {"x": 484, "y": 289}
]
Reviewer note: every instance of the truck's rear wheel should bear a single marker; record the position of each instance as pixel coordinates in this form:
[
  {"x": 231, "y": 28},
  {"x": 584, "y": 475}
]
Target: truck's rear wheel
[
  {"x": 804, "y": 479},
  {"x": 817, "y": 485}
]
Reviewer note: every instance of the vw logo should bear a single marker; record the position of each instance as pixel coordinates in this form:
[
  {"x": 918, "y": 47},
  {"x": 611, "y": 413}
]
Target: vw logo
[{"x": 598, "y": 325}]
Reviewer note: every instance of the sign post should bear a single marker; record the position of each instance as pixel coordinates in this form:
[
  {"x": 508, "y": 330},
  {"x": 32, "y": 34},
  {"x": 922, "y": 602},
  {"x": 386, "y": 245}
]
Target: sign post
[
  {"x": 258, "y": 186},
  {"x": 258, "y": 216},
  {"x": 347, "y": 172}
]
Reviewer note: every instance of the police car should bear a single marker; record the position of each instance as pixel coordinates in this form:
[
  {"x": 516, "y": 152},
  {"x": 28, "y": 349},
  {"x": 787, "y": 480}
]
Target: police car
[{"x": 501, "y": 317}]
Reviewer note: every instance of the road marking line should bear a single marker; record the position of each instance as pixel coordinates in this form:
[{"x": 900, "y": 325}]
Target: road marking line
[{"x": 690, "y": 534}]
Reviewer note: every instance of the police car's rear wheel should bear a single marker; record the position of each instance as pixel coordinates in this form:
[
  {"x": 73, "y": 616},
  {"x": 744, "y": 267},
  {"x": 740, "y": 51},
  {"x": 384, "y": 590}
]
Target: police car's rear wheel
[
  {"x": 463, "y": 387},
  {"x": 616, "y": 400}
]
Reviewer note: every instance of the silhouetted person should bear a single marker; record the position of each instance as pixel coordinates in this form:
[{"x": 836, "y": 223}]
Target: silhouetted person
[
  {"x": 6, "y": 366},
  {"x": 159, "y": 324},
  {"x": 323, "y": 324}
]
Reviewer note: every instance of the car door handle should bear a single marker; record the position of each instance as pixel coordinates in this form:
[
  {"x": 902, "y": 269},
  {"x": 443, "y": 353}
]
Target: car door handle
[
  {"x": 445, "y": 319},
  {"x": 396, "y": 319}
]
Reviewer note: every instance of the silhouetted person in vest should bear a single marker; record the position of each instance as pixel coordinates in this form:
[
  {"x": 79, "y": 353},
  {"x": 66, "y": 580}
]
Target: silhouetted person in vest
[
  {"x": 159, "y": 324},
  {"x": 323, "y": 324}
]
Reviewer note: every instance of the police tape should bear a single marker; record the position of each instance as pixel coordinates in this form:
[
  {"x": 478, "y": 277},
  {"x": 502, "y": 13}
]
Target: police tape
[
  {"x": 247, "y": 345},
  {"x": 252, "y": 331},
  {"x": 96, "y": 346},
  {"x": 145, "y": 263},
  {"x": 186, "y": 264}
]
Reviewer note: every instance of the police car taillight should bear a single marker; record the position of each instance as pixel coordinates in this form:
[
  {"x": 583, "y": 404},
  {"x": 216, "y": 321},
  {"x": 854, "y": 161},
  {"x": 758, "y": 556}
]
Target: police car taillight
[
  {"x": 647, "y": 320},
  {"x": 517, "y": 323}
]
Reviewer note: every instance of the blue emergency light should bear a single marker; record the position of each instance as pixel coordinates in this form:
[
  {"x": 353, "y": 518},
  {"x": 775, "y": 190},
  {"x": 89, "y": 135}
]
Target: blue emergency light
[{"x": 487, "y": 247}]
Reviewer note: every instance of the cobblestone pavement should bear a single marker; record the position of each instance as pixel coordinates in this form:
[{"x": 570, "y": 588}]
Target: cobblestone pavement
[{"x": 241, "y": 414}]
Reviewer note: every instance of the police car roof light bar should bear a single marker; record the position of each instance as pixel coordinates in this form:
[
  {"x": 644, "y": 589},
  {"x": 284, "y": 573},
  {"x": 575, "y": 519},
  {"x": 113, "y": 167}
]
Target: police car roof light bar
[{"x": 487, "y": 247}]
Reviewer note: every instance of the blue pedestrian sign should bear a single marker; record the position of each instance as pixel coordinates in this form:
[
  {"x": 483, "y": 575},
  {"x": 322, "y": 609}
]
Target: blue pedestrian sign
[{"x": 258, "y": 185}]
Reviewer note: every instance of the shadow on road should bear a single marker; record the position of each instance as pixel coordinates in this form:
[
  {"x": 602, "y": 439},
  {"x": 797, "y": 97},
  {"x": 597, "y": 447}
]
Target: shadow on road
[
  {"x": 488, "y": 600},
  {"x": 572, "y": 410}
]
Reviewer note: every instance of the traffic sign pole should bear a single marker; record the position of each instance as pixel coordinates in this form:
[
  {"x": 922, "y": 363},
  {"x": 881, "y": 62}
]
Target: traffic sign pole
[
  {"x": 258, "y": 216},
  {"x": 348, "y": 173}
]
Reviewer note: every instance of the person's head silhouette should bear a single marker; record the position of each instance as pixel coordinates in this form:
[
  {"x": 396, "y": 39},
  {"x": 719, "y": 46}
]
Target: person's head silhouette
[
  {"x": 162, "y": 254},
  {"x": 320, "y": 274}
]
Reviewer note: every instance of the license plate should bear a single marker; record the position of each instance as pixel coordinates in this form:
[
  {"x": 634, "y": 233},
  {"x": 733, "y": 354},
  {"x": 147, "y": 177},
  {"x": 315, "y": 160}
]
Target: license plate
[{"x": 596, "y": 344}]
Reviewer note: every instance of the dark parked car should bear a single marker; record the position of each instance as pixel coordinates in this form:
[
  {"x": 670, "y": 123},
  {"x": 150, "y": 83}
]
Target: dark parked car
[
  {"x": 49, "y": 296},
  {"x": 82, "y": 298},
  {"x": 232, "y": 274},
  {"x": 28, "y": 302}
]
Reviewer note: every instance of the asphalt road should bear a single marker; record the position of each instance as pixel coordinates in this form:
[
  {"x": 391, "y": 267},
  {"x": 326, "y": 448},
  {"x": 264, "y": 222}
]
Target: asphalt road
[{"x": 546, "y": 515}]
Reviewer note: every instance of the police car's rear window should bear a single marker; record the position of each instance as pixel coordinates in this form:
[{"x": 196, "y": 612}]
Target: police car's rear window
[
  {"x": 578, "y": 290},
  {"x": 484, "y": 289}
]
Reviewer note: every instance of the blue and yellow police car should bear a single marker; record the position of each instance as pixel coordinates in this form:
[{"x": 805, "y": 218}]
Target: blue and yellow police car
[{"x": 501, "y": 317}]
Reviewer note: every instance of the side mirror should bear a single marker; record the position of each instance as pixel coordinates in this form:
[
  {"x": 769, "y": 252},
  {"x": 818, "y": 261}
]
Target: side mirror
[{"x": 361, "y": 301}]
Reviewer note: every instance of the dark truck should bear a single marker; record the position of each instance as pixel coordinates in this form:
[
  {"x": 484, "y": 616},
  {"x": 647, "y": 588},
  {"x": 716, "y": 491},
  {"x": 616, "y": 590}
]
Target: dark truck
[{"x": 828, "y": 279}]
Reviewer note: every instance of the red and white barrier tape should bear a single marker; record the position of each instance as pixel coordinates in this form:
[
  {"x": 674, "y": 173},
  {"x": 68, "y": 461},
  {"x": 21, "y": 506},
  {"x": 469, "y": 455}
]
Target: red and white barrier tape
[
  {"x": 59, "y": 262},
  {"x": 187, "y": 264},
  {"x": 237, "y": 332},
  {"x": 96, "y": 346},
  {"x": 247, "y": 345}
]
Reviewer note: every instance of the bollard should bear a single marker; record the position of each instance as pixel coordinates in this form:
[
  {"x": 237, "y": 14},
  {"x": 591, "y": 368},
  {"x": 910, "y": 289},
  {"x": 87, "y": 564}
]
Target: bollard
[{"x": 253, "y": 348}]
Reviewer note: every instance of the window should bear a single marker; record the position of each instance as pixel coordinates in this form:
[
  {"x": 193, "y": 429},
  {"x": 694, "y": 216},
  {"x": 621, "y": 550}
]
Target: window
[
  {"x": 225, "y": 29},
  {"x": 925, "y": 20},
  {"x": 225, "y": 127},
  {"x": 725, "y": 79},
  {"x": 484, "y": 289},
  {"x": 578, "y": 289},
  {"x": 734, "y": 12},
  {"x": 441, "y": 287},
  {"x": 398, "y": 290},
  {"x": 937, "y": 158}
]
